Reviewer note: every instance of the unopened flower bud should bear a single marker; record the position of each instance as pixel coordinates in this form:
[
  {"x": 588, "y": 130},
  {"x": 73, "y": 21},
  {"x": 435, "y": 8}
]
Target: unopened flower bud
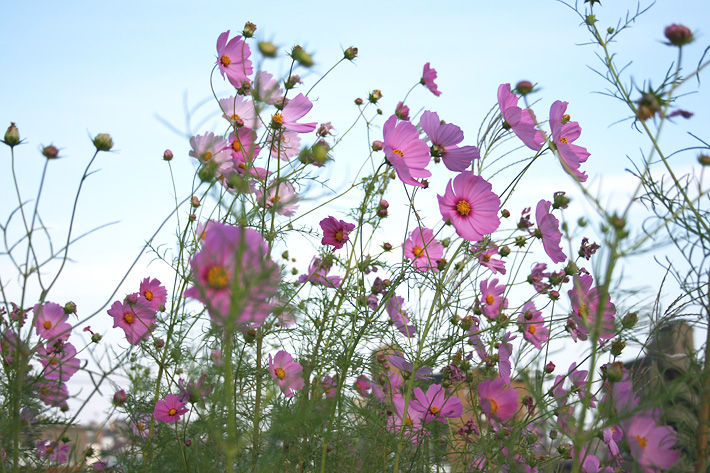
[
  {"x": 103, "y": 142},
  {"x": 382, "y": 213},
  {"x": 441, "y": 264},
  {"x": 505, "y": 213},
  {"x": 553, "y": 434},
  {"x": 617, "y": 346},
  {"x": 96, "y": 338},
  {"x": 208, "y": 171},
  {"x": 12, "y": 136},
  {"x": 549, "y": 367},
  {"x": 704, "y": 159},
  {"x": 159, "y": 343},
  {"x": 350, "y": 53},
  {"x": 504, "y": 251},
  {"x": 387, "y": 247},
  {"x": 613, "y": 372},
  {"x": 571, "y": 268},
  {"x": 249, "y": 29},
  {"x": 267, "y": 49},
  {"x": 524, "y": 87},
  {"x": 50, "y": 152},
  {"x": 678, "y": 35},
  {"x": 192, "y": 217},
  {"x": 358, "y": 101},
  {"x": 590, "y": 20},
  {"x": 629, "y": 320},
  {"x": 167, "y": 155},
  {"x": 195, "y": 202},
  {"x": 560, "y": 200},
  {"x": 467, "y": 323},
  {"x": 554, "y": 295},
  {"x": 301, "y": 56},
  {"x": 70, "y": 308},
  {"x": 292, "y": 81},
  {"x": 188, "y": 442},
  {"x": 377, "y": 145},
  {"x": 120, "y": 398},
  {"x": 375, "y": 95}
]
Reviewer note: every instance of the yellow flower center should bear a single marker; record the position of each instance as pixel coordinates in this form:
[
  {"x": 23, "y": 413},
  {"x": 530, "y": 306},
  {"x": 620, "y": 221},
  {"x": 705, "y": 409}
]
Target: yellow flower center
[
  {"x": 399, "y": 152},
  {"x": 217, "y": 277},
  {"x": 128, "y": 317},
  {"x": 486, "y": 258},
  {"x": 418, "y": 250},
  {"x": 235, "y": 117},
  {"x": 207, "y": 156},
  {"x": 278, "y": 119},
  {"x": 408, "y": 421},
  {"x": 225, "y": 60},
  {"x": 494, "y": 406},
  {"x": 564, "y": 140},
  {"x": 47, "y": 324},
  {"x": 642, "y": 441},
  {"x": 236, "y": 146},
  {"x": 463, "y": 208},
  {"x": 172, "y": 412},
  {"x": 280, "y": 373},
  {"x": 583, "y": 312},
  {"x": 533, "y": 329},
  {"x": 148, "y": 295},
  {"x": 339, "y": 236},
  {"x": 490, "y": 300},
  {"x": 53, "y": 361},
  {"x": 140, "y": 426},
  {"x": 565, "y": 118},
  {"x": 434, "y": 410}
]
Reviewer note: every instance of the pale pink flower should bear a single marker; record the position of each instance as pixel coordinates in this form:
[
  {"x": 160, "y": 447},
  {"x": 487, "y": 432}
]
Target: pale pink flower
[
  {"x": 51, "y": 321},
  {"x": 485, "y": 257},
  {"x": 650, "y": 443},
  {"x": 532, "y": 323},
  {"x": 318, "y": 275},
  {"x": 287, "y": 373},
  {"x": 405, "y": 151},
  {"x": 265, "y": 88},
  {"x": 233, "y": 59},
  {"x": 585, "y": 308},
  {"x": 285, "y": 145},
  {"x": 136, "y": 319},
  {"x": 564, "y": 133},
  {"x": 492, "y": 299},
  {"x": 549, "y": 230},
  {"x": 294, "y": 110},
  {"x": 140, "y": 425},
  {"x": 399, "y": 316},
  {"x": 423, "y": 249},
  {"x": 444, "y": 143},
  {"x": 59, "y": 360},
  {"x": 471, "y": 206},
  {"x": 522, "y": 121},
  {"x": 281, "y": 198},
  {"x": 428, "y": 77},
  {"x": 436, "y": 404},
  {"x": 154, "y": 292},
  {"x": 239, "y": 107},
  {"x": 497, "y": 401},
  {"x": 210, "y": 147}
]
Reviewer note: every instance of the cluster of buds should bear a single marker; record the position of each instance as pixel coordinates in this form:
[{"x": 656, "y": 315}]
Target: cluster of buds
[{"x": 382, "y": 208}]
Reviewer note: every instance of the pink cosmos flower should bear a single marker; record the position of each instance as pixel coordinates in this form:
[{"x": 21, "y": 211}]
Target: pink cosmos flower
[
  {"x": 51, "y": 321},
  {"x": 285, "y": 144},
  {"x": 209, "y": 147},
  {"x": 362, "y": 385},
  {"x": 402, "y": 111},
  {"x": 335, "y": 232},
  {"x": 435, "y": 404},
  {"x": 492, "y": 299},
  {"x": 497, "y": 401},
  {"x": 243, "y": 148},
  {"x": 154, "y": 292},
  {"x": 485, "y": 257},
  {"x": 53, "y": 393},
  {"x": 532, "y": 323},
  {"x": 287, "y": 373},
  {"x": 266, "y": 89},
  {"x": 136, "y": 319},
  {"x": 471, "y": 206},
  {"x": 234, "y": 258},
  {"x": 241, "y": 108},
  {"x": 405, "y": 151},
  {"x": 650, "y": 443},
  {"x": 399, "y": 316},
  {"x": 233, "y": 59},
  {"x": 444, "y": 143},
  {"x": 549, "y": 231},
  {"x": 59, "y": 361},
  {"x": 169, "y": 410},
  {"x": 564, "y": 132},
  {"x": 522, "y": 121},
  {"x": 412, "y": 420},
  {"x": 585, "y": 308},
  {"x": 579, "y": 382},
  {"x": 423, "y": 249},
  {"x": 406, "y": 368},
  {"x": 318, "y": 275},
  {"x": 281, "y": 198},
  {"x": 505, "y": 350},
  {"x": 140, "y": 425},
  {"x": 611, "y": 435},
  {"x": 330, "y": 386},
  {"x": 294, "y": 110},
  {"x": 53, "y": 451},
  {"x": 428, "y": 76},
  {"x": 536, "y": 278}
]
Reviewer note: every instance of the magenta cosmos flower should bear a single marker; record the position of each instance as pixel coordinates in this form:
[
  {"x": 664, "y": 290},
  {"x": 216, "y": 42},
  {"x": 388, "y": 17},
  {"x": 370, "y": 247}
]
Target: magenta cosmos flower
[
  {"x": 154, "y": 292},
  {"x": 53, "y": 451},
  {"x": 318, "y": 275},
  {"x": 444, "y": 140},
  {"x": 471, "y": 206},
  {"x": 169, "y": 410},
  {"x": 485, "y": 257},
  {"x": 395, "y": 309},
  {"x": 423, "y": 249},
  {"x": 287, "y": 373},
  {"x": 497, "y": 401},
  {"x": 564, "y": 132},
  {"x": 335, "y": 232},
  {"x": 59, "y": 360},
  {"x": 234, "y": 259},
  {"x": 492, "y": 299},
  {"x": 427, "y": 80},
  {"x": 521, "y": 121},
  {"x": 135, "y": 318},
  {"x": 549, "y": 230},
  {"x": 51, "y": 321},
  {"x": 532, "y": 323},
  {"x": 233, "y": 59},
  {"x": 650, "y": 443},
  {"x": 585, "y": 308},
  {"x": 405, "y": 151},
  {"x": 435, "y": 404},
  {"x": 409, "y": 421},
  {"x": 294, "y": 110}
]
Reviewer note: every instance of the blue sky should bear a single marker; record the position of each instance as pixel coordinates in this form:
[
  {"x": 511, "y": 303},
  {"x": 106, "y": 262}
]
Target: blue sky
[{"x": 73, "y": 69}]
